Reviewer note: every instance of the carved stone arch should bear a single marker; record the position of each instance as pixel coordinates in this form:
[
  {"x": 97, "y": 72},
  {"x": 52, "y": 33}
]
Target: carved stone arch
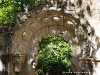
[
  {"x": 39, "y": 26},
  {"x": 36, "y": 22},
  {"x": 50, "y": 22}
]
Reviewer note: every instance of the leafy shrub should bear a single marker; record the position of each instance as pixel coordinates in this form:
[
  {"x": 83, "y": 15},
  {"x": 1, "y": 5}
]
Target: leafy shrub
[{"x": 54, "y": 56}]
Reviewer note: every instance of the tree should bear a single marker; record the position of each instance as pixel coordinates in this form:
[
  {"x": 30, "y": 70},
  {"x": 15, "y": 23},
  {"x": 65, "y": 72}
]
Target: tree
[
  {"x": 54, "y": 56},
  {"x": 6, "y": 8},
  {"x": 9, "y": 8}
]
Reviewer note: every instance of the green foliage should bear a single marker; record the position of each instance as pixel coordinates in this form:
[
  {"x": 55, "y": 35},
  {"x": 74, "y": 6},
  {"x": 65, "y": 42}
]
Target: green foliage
[
  {"x": 6, "y": 14},
  {"x": 54, "y": 56},
  {"x": 9, "y": 8}
]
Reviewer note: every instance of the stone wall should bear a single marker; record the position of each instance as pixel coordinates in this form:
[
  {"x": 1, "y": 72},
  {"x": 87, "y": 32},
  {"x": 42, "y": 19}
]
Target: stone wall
[
  {"x": 77, "y": 21},
  {"x": 5, "y": 44}
]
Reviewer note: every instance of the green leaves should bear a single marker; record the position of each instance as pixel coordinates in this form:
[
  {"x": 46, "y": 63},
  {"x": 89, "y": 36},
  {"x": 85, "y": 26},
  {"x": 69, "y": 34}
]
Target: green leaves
[
  {"x": 54, "y": 53},
  {"x": 6, "y": 14},
  {"x": 9, "y": 8}
]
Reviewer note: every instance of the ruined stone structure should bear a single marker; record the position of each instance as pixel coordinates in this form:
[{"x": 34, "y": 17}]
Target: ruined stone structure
[{"x": 77, "y": 21}]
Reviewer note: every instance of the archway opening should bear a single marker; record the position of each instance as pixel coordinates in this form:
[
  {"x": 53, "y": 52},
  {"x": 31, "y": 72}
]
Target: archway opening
[{"x": 54, "y": 56}]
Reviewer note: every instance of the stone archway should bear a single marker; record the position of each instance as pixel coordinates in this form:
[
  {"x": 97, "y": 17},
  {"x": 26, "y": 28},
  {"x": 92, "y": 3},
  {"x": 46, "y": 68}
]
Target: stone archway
[
  {"x": 27, "y": 36},
  {"x": 51, "y": 22}
]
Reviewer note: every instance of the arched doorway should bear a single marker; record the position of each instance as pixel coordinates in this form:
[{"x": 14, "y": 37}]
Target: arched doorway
[
  {"x": 25, "y": 42},
  {"x": 53, "y": 57}
]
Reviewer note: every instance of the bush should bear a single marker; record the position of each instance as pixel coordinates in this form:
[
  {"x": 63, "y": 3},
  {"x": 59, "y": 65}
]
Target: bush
[{"x": 54, "y": 56}]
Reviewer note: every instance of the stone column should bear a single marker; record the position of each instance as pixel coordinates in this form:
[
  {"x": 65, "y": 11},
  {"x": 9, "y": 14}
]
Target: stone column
[
  {"x": 11, "y": 66},
  {"x": 33, "y": 57}
]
